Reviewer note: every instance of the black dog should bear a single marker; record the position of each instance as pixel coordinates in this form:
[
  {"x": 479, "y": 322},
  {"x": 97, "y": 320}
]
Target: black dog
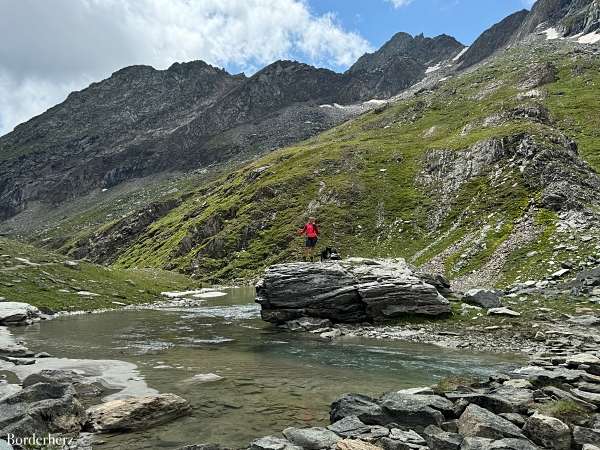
[{"x": 330, "y": 254}]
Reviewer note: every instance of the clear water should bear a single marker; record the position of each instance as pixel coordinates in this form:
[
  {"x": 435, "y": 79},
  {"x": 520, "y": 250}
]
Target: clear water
[{"x": 271, "y": 379}]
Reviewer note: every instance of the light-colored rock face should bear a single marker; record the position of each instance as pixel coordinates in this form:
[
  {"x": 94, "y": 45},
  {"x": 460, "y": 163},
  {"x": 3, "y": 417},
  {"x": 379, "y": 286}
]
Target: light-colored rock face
[
  {"x": 352, "y": 290},
  {"x": 137, "y": 413},
  {"x": 355, "y": 444},
  {"x": 479, "y": 422},
  {"x": 311, "y": 438},
  {"x": 17, "y": 313},
  {"x": 548, "y": 432}
]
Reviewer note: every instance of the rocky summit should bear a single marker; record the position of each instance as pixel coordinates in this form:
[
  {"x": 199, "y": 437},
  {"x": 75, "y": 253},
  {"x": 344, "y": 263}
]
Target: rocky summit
[{"x": 354, "y": 290}]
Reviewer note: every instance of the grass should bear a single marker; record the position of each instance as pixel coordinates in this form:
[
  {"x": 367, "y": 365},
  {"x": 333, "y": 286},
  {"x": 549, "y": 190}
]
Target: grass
[
  {"x": 49, "y": 283},
  {"x": 452, "y": 383},
  {"x": 363, "y": 180},
  {"x": 567, "y": 411}
]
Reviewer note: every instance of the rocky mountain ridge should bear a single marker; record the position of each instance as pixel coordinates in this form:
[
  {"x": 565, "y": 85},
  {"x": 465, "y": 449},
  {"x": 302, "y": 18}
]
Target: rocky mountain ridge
[{"x": 143, "y": 121}]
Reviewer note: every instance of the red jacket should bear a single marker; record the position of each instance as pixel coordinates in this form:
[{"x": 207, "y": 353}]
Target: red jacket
[{"x": 311, "y": 230}]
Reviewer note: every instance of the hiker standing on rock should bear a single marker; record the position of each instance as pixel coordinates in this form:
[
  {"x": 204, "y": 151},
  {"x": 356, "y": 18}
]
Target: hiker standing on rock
[{"x": 311, "y": 231}]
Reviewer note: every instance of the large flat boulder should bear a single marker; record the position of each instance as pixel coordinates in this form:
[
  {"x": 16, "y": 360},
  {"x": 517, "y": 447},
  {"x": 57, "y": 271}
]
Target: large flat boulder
[
  {"x": 137, "y": 413},
  {"x": 41, "y": 408},
  {"x": 353, "y": 290},
  {"x": 17, "y": 313}
]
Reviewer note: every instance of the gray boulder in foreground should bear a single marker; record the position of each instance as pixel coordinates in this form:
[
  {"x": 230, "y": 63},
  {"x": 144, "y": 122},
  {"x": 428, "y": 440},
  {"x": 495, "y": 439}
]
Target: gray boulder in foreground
[
  {"x": 137, "y": 413},
  {"x": 41, "y": 408},
  {"x": 352, "y": 290}
]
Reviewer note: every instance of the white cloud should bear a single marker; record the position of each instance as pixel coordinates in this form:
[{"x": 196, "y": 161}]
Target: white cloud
[
  {"x": 49, "y": 48},
  {"x": 400, "y": 3}
]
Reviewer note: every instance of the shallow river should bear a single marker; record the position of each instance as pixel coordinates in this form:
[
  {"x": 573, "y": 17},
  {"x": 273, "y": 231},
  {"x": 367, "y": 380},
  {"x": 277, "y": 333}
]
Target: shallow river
[{"x": 271, "y": 379}]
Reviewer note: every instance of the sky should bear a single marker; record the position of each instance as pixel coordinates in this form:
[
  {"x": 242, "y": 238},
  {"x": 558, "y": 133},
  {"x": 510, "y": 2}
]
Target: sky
[{"x": 50, "y": 48}]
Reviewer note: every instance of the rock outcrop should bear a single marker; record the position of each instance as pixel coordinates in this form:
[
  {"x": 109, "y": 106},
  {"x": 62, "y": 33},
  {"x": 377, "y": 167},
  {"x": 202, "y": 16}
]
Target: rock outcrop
[
  {"x": 18, "y": 313},
  {"x": 41, "y": 408},
  {"x": 353, "y": 290},
  {"x": 136, "y": 413},
  {"x": 470, "y": 417}
]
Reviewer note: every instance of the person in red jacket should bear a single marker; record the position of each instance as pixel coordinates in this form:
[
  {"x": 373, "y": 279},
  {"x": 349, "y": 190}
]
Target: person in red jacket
[{"x": 311, "y": 231}]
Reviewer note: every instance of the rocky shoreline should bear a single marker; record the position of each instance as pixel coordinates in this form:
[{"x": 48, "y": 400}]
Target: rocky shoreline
[{"x": 550, "y": 403}]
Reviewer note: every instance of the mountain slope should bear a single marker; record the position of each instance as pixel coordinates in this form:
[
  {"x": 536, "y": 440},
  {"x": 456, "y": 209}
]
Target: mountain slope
[
  {"x": 480, "y": 177},
  {"x": 141, "y": 122}
]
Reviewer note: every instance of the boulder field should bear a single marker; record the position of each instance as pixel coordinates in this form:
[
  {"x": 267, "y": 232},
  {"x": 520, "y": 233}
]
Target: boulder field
[{"x": 352, "y": 290}]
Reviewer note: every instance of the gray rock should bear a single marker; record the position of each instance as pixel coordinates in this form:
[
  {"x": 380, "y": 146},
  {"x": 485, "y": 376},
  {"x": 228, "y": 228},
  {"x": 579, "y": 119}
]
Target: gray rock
[
  {"x": 272, "y": 443},
  {"x": 352, "y": 290},
  {"x": 361, "y": 406},
  {"x": 41, "y": 408},
  {"x": 517, "y": 419},
  {"x": 503, "y": 312},
  {"x": 350, "y": 426},
  {"x": 504, "y": 399},
  {"x": 17, "y": 313},
  {"x": 85, "y": 387},
  {"x": 589, "y": 397},
  {"x": 485, "y": 298},
  {"x": 540, "y": 376},
  {"x": 308, "y": 324},
  {"x": 585, "y": 320},
  {"x": 438, "y": 439},
  {"x": 314, "y": 438},
  {"x": 582, "y": 435},
  {"x": 476, "y": 443},
  {"x": 479, "y": 422},
  {"x": 415, "y": 411},
  {"x": 410, "y": 436},
  {"x": 548, "y": 432},
  {"x": 137, "y": 413}
]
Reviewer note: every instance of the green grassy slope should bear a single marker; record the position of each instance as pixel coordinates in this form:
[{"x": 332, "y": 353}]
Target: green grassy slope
[
  {"x": 363, "y": 180},
  {"x": 41, "y": 278}
]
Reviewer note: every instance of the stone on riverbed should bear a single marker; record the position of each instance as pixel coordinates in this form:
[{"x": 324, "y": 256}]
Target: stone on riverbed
[
  {"x": 137, "y": 413},
  {"x": 353, "y": 290},
  {"x": 42, "y": 408},
  {"x": 85, "y": 387},
  {"x": 17, "y": 313}
]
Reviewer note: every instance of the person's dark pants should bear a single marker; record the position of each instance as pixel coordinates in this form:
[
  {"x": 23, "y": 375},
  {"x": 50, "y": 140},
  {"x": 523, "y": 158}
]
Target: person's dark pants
[{"x": 311, "y": 242}]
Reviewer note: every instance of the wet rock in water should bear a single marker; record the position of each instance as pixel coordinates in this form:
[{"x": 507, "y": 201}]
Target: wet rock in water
[
  {"x": 314, "y": 438},
  {"x": 203, "y": 378},
  {"x": 476, "y": 421},
  {"x": 485, "y": 298},
  {"x": 353, "y": 290},
  {"x": 355, "y": 444},
  {"x": 548, "y": 432},
  {"x": 18, "y": 313},
  {"x": 438, "y": 439},
  {"x": 272, "y": 443},
  {"x": 308, "y": 324},
  {"x": 41, "y": 408},
  {"x": 85, "y": 387},
  {"x": 137, "y": 413},
  {"x": 364, "y": 408},
  {"x": 540, "y": 376}
]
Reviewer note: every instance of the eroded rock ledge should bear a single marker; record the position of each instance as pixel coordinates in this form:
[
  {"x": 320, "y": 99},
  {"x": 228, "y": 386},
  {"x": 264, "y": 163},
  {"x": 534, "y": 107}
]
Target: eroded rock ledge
[{"x": 353, "y": 290}]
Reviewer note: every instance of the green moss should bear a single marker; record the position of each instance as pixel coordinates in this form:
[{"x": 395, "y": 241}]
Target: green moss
[
  {"x": 47, "y": 282},
  {"x": 567, "y": 411},
  {"x": 453, "y": 382}
]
